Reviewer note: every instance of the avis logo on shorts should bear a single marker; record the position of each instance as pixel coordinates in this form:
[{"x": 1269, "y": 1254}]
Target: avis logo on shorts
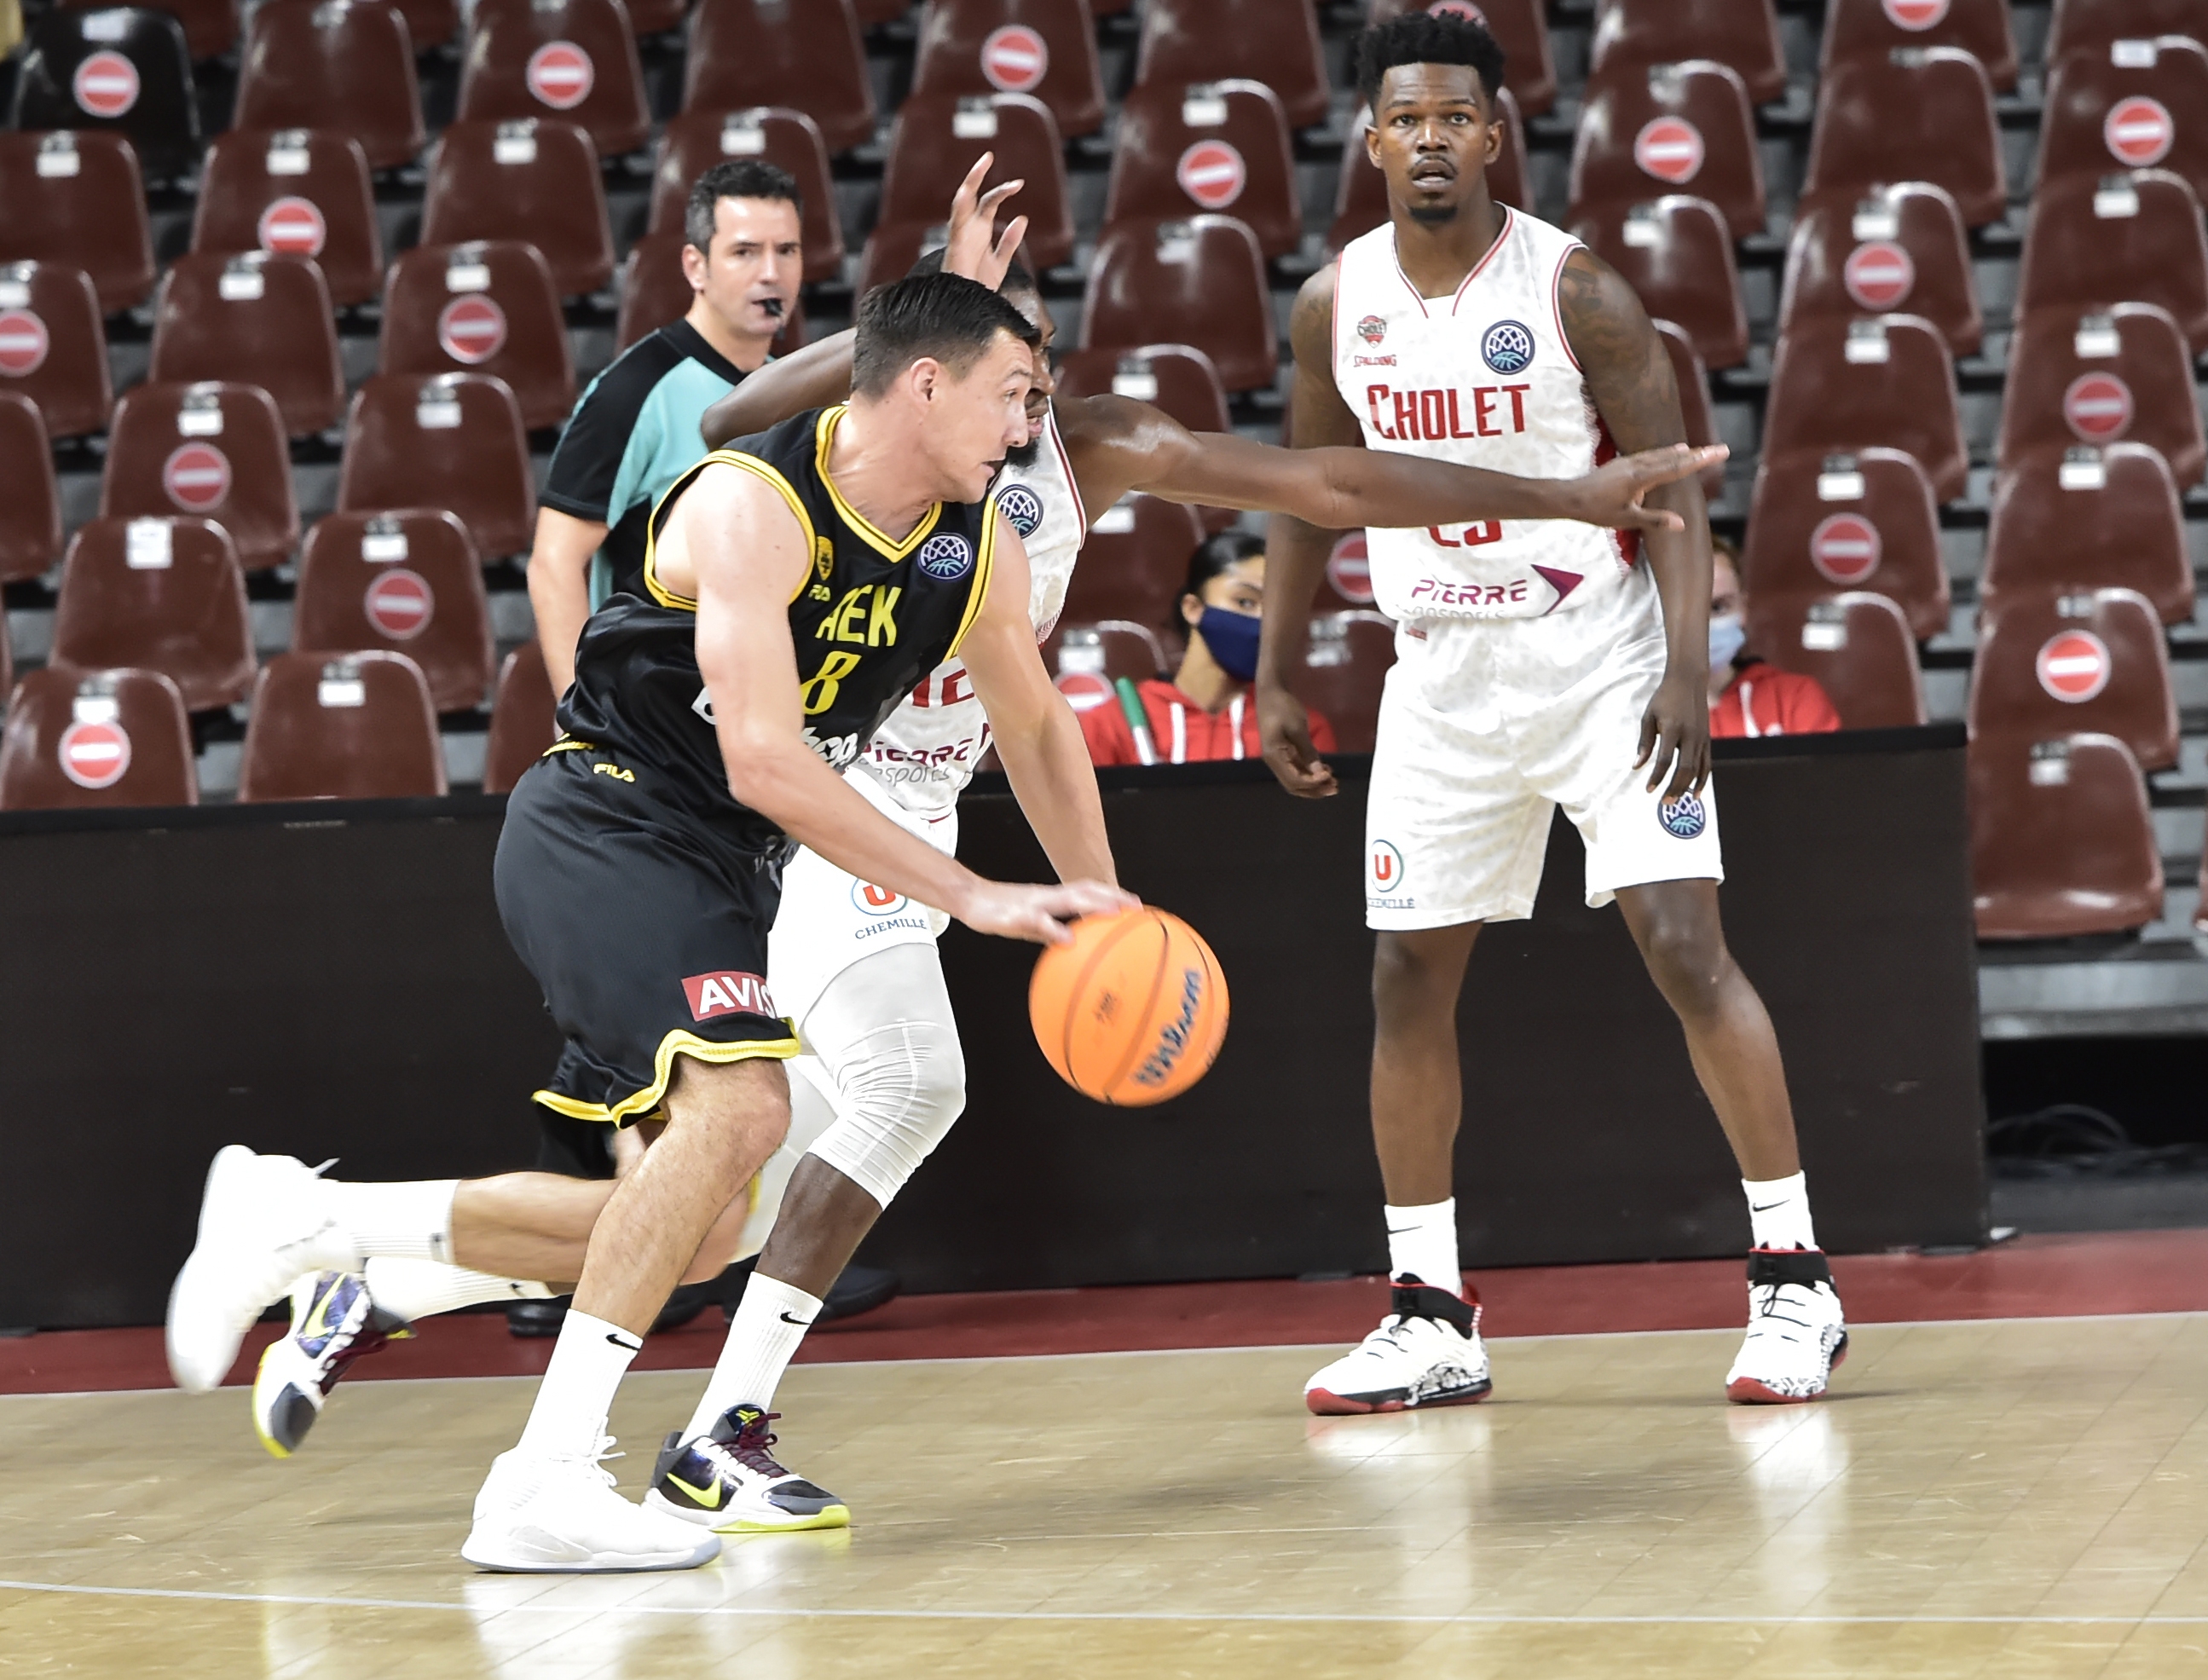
[
  {"x": 1022, "y": 508},
  {"x": 727, "y": 991},
  {"x": 1507, "y": 347},
  {"x": 1684, "y": 817},
  {"x": 948, "y": 556}
]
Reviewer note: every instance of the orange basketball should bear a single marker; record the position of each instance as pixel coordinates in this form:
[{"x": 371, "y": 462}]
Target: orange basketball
[{"x": 1133, "y": 1010}]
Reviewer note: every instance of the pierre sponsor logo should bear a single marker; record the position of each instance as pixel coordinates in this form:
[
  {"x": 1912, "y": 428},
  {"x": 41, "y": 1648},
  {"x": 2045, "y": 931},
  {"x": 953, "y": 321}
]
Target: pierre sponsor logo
[{"x": 727, "y": 991}]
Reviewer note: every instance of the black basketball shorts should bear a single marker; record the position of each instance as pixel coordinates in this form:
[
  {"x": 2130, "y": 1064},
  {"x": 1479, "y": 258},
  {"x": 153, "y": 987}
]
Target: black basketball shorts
[{"x": 645, "y": 930}]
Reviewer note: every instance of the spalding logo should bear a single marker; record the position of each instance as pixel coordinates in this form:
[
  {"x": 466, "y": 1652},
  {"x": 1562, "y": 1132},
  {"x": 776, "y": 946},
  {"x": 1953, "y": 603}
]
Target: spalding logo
[
  {"x": 1022, "y": 508},
  {"x": 1507, "y": 347},
  {"x": 1684, "y": 817},
  {"x": 1159, "y": 1065},
  {"x": 948, "y": 556}
]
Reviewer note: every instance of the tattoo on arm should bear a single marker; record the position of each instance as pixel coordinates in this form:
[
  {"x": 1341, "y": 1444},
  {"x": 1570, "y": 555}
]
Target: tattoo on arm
[{"x": 1626, "y": 366}]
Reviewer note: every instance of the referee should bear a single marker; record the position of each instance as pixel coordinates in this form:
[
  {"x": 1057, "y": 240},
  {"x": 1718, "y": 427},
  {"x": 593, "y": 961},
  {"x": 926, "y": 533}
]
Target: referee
[{"x": 635, "y": 431}]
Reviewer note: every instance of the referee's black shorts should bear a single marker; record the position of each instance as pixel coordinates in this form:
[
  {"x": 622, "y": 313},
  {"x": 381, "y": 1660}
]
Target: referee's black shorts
[{"x": 645, "y": 930}]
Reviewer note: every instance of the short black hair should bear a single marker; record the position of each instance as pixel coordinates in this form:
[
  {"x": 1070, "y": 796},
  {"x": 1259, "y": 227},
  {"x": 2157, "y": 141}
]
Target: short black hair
[
  {"x": 1215, "y": 555},
  {"x": 947, "y": 317},
  {"x": 1427, "y": 38},
  {"x": 748, "y": 177},
  {"x": 1017, "y": 277}
]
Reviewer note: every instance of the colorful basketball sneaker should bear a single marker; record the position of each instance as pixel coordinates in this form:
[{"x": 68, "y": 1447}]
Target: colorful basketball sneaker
[
  {"x": 1795, "y": 1330},
  {"x": 1427, "y": 1353},
  {"x": 727, "y": 1480},
  {"x": 334, "y": 1321},
  {"x": 538, "y": 1515}
]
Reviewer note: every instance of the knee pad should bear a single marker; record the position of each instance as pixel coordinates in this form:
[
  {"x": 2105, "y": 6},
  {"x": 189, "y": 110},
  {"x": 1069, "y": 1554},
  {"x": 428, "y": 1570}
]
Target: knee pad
[{"x": 900, "y": 1087}]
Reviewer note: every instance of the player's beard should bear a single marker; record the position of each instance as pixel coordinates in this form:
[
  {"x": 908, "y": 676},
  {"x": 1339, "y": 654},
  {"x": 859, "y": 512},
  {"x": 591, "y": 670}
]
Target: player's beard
[
  {"x": 1025, "y": 455},
  {"x": 1437, "y": 215}
]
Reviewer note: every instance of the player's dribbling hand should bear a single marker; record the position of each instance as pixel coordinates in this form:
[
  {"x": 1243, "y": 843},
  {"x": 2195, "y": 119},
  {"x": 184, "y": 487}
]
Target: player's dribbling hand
[
  {"x": 1611, "y": 495},
  {"x": 976, "y": 249},
  {"x": 1013, "y": 911},
  {"x": 1284, "y": 728},
  {"x": 1674, "y": 737}
]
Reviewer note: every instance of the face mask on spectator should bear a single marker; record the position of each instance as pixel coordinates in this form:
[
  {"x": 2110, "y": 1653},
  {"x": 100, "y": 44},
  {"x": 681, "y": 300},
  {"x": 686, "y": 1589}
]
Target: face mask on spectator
[
  {"x": 1233, "y": 638},
  {"x": 1727, "y": 636}
]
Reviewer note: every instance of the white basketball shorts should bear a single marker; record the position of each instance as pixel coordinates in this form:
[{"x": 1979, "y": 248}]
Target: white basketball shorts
[
  {"x": 829, "y": 920},
  {"x": 1486, "y": 726}
]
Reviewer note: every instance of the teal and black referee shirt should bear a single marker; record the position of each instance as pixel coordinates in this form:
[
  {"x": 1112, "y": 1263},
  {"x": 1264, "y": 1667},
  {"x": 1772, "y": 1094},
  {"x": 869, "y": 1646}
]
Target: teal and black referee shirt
[{"x": 633, "y": 433}]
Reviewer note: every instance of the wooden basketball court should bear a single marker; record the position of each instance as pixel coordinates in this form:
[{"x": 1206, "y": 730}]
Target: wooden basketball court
[{"x": 2022, "y": 1498}]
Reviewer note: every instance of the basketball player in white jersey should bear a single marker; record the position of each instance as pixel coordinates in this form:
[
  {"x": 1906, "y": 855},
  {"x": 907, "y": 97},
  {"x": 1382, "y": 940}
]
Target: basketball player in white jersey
[{"x": 1538, "y": 664}]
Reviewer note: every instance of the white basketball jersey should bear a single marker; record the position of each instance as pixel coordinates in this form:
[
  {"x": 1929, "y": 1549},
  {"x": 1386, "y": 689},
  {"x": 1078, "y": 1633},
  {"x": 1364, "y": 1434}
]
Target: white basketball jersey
[
  {"x": 925, "y": 755},
  {"x": 1483, "y": 378}
]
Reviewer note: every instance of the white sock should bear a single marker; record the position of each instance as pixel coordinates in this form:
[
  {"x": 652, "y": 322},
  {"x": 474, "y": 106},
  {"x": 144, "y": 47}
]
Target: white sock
[
  {"x": 588, "y": 1363},
  {"x": 1422, "y": 1244},
  {"x": 401, "y": 1222},
  {"x": 772, "y": 1319},
  {"x": 1778, "y": 1213},
  {"x": 417, "y": 1289}
]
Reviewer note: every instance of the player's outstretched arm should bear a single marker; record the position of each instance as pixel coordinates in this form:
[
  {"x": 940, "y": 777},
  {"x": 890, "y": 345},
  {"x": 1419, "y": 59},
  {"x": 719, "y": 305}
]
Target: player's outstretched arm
[
  {"x": 746, "y": 557},
  {"x": 1630, "y": 374},
  {"x": 1036, "y": 733}
]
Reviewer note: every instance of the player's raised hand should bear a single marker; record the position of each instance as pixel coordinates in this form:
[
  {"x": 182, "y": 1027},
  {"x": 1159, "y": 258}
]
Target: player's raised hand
[
  {"x": 1012, "y": 911},
  {"x": 976, "y": 249},
  {"x": 1284, "y": 727},
  {"x": 1674, "y": 737},
  {"x": 1611, "y": 494}
]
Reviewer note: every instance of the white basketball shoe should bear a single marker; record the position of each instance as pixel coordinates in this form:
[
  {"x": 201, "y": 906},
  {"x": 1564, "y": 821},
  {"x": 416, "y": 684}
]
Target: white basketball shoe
[
  {"x": 540, "y": 1516},
  {"x": 1427, "y": 1352},
  {"x": 1797, "y": 1332}
]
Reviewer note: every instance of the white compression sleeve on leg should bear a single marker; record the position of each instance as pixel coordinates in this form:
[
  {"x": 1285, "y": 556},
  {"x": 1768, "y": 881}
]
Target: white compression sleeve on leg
[
  {"x": 417, "y": 1289},
  {"x": 884, "y": 1031},
  {"x": 812, "y": 1112}
]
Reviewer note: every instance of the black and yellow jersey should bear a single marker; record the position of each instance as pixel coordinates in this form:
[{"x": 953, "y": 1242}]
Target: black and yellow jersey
[{"x": 873, "y": 616}]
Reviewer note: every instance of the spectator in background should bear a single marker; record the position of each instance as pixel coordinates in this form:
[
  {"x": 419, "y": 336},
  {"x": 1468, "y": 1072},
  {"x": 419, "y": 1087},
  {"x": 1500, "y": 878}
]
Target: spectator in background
[
  {"x": 1750, "y": 696},
  {"x": 1204, "y": 713}
]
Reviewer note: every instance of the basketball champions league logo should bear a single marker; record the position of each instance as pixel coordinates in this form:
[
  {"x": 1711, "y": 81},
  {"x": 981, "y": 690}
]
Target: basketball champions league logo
[
  {"x": 1022, "y": 510},
  {"x": 1507, "y": 347}
]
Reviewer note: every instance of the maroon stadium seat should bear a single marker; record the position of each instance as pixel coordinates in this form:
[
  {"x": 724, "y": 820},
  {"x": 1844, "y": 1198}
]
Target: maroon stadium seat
[
  {"x": 77, "y": 198},
  {"x": 1919, "y": 114},
  {"x": 789, "y": 140},
  {"x": 1177, "y": 378},
  {"x": 521, "y": 722},
  {"x": 656, "y": 17},
  {"x": 2120, "y": 238},
  {"x": 2136, "y": 383},
  {"x": 1857, "y": 646},
  {"x": 2129, "y": 105},
  {"x": 31, "y": 512},
  {"x": 489, "y": 308},
  {"x": 408, "y": 581},
  {"x": 2085, "y": 518},
  {"x": 1870, "y": 29},
  {"x": 1360, "y": 193},
  {"x": 1861, "y": 521},
  {"x": 1695, "y": 407},
  {"x": 1743, "y": 33},
  {"x": 1864, "y": 251},
  {"x": 122, "y": 69},
  {"x": 1842, "y": 384},
  {"x": 296, "y": 192},
  {"x": 535, "y": 180},
  {"x": 938, "y": 137},
  {"x": 341, "y": 66},
  {"x": 258, "y": 318},
  {"x": 1085, "y": 660},
  {"x": 654, "y": 290},
  {"x": 2088, "y": 23},
  {"x": 1684, "y": 128},
  {"x": 449, "y": 440},
  {"x": 1519, "y": 28},
  {"x": 892, "y": 248},
  {"x": 429, "y": 23},
  {"x": 1219, "y": 147},
  {"x": 1044, "y": 47},
  {"x": 2088, "y": 659},
  {"x": 1134, "y": 563},
  {"x": 1204, "y": 276},
  {"x": 1272, "y": 41},
  {"x": 210, "y": 25},
  {"x": 213, "y": 451},
  {"x": 1345, "y": 668},
  {"x": 1676, "y": 253},
  {"x": 77, "y": 739},
  {"x": 341, "y": 726},
  {"x": 2062, "y": 840},
  {"x": 53, "y": 347},
  {"x": 160, "y": 595},
  {"x": 768, "y": 52},
  {"x": 573, "y": 59}
]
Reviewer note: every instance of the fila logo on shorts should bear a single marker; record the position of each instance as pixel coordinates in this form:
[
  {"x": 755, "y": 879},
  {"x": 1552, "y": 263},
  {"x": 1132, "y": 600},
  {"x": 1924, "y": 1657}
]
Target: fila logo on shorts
[
  {"x": 1684, "y": 817},
  {"x": 728, "y": 992}
]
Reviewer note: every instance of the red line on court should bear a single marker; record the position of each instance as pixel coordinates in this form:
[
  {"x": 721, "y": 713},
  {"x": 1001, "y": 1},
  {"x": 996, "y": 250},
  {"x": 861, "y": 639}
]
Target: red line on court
[{"x": 2034, "y": 1277}]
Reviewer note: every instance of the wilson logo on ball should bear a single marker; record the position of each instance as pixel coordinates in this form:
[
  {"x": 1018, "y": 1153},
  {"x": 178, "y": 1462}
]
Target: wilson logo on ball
[
  {"x": 2139, "y": 131},
  {"x": 471, "y": 328},
  {"x": 1878, "y": 275},
  {"x": 1349, "y": 569},
  {"x": 1131, "y": 1009},
  {"x": 560, "y": 75},
  {"x": 105, "y": 85},
  {"x": 293, "y": 227},
  {"x": 1015, "y": 58},
  {"x": 1915, "y": 15},
  {"x": 1671, "y": 149},
  {"x": 1846, "y": 549},
  {"x": 1212, "y": 173},
  {"x": 94, "y": 755},
  {"x": 2098, "y": 407},
  {"x": 400, "y": 604},
  {"x": 2074, "y": 666},
  {"x": 196, "y": 476},
  {"x": 24, "y": 343}
]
